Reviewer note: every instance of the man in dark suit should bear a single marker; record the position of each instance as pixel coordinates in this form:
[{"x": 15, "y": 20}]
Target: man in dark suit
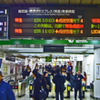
[
  {"x": 37, "y": 85},
  {"x": 78, "y": 84},
  {"x": 24, "y": 72},
  {"x": 39, "y": 76},
  {"x": 46, "y": 83},
  {"x": 59, "y": 81}
]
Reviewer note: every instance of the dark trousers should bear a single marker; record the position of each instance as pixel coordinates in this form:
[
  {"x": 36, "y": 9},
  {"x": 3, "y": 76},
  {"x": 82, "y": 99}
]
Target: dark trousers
[
  {"x": 80, "y": 94},
  {"x": 47, "y": 93},
  {"x": 61, "y": 95},
  {"x": 24, "y": 76}
]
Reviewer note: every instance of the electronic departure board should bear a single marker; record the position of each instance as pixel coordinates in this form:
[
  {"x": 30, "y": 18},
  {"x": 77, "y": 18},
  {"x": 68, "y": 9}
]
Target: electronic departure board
[
  {"x": 94, "y": 22},
  {"x": 54, "y": 22},
  {"x": 4, "y": 22},
  {"x": 47, "y": 23}
]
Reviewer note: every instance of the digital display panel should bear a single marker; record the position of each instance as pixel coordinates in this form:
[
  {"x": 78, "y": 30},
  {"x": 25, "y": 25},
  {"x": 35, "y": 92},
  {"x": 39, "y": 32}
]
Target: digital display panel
[
  {"x": 54, "y": 22},
  {"x": 94, "y": 21},
  {"x": 48, "y": 59},
  {"x": 47, "y": 22},
  {"x": 54, "y": 49},
  {"x": 4, "y": 23}
]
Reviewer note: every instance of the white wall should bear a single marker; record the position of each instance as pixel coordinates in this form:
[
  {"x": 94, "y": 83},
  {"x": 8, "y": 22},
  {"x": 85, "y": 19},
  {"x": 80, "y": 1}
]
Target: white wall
[
  {"x": 97, "y": 74},
  {"x": 88, "y": 68}
]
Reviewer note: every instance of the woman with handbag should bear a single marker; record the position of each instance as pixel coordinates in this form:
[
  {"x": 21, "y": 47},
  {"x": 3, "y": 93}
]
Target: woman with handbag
[{"x": 46, "y": 83}]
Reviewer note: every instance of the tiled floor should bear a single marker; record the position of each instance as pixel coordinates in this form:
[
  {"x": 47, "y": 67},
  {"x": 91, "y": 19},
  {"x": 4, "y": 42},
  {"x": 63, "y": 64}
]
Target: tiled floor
[{"x": 87, "y": 97}]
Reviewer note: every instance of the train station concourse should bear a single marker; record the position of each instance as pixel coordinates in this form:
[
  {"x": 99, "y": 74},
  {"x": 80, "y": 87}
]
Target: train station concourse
[
  {"x": 82, "y": 57},
  {"x": 49, "y": 49}
]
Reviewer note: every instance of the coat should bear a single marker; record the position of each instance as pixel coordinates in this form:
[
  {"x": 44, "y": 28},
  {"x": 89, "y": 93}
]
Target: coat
[
  {"x": 59, "y": 81},
  {"x": 68, "y": 77},
  {"x": 39, "y": 76},
  {"x": 45, "y": 82},
  {"x": 6, "y": 92},
  {"x": 37, "y": 88},
  {"x": 24, "y": 72},
  {"x": 78, "y": 83},
  {"x": 72, "y": 80}
]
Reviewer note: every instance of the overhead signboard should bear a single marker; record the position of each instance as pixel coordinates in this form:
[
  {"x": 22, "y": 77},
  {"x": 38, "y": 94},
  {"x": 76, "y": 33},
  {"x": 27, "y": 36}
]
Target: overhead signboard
[
  {"x": 54, "y": 48},
  {"x": 54, "y": 22},
  {"x": 48, "y": 59},
  {"x": 93, "y": 21},
  {"x": 4, "y": 23},
  {"x": 10, "y": 58},
  {"x": 47, "y": 23},
  {"x": 47, "y": 42}
]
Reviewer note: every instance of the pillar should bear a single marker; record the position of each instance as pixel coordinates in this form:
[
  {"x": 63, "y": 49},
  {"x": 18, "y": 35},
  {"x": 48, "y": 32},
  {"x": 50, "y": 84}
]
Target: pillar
[
  {"x": 88, "y": 68},
  {"x": 26, "y": 61},
  {"x": 96, "y": 73}
]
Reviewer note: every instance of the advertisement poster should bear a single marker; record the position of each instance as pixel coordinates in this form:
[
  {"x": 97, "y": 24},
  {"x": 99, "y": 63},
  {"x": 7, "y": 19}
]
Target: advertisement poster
[
  {"x": 98, "y": 71},
  {"x": 5, "y": 69}
]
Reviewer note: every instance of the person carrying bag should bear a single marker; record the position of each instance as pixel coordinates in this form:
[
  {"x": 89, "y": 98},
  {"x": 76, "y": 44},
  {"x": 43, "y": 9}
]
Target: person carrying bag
[
  {"x": 38, "y": 94},
  {"x": 42, "y": 94},
  {"x": 46, "y": 83}
]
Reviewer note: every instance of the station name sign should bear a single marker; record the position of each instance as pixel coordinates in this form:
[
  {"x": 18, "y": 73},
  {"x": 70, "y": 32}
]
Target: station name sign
[{"x": 78, "y": 41}]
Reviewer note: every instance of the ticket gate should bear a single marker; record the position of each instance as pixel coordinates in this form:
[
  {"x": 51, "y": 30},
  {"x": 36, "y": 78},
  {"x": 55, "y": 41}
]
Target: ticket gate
[
  {"x": 31, "y": 88},
  {"x": 21, "y": 88}
]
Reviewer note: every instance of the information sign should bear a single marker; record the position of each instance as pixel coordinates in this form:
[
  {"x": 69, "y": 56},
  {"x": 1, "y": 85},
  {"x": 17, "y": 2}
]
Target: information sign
[
  {"x": 4, "y": 23},
  {"x": 47, "y": 22}
]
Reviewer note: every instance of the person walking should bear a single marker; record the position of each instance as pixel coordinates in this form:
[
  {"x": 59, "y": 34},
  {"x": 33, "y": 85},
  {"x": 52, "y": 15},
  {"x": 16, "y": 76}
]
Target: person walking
[
  {"x": 46, "y": 83},
  {"x": 24, "y": 72},
  {"x": 72, "y": 81},
  {"x": 78, "y": 84},
  {"x": 37, "y": 85},
  {"x": 59, "y": 81},
  {"x": 28, "y": 70},
  {"x": 6, "y": 92},
  {"x": 39, "y": 76}
]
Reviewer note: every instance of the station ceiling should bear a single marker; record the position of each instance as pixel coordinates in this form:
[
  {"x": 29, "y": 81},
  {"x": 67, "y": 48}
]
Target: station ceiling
[
  {"x": 31, "y": 50},
  {"x": 82, "y": 2}
]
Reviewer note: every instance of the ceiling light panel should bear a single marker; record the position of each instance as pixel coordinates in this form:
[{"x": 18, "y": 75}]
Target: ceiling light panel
[
  {"x": 27, "y": 49},
  {"x": 74, "y": 50}
]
